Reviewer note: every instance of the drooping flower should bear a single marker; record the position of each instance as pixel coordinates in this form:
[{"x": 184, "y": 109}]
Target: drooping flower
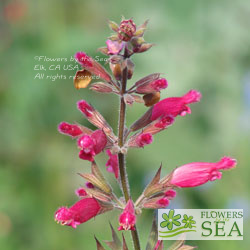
[
  {"x": 91, "y": 145},
  {"x": 175, "y": 106},
  {"x": 112, "y": 164},
  {"x": 92, "y": 66},
  {"x": 80, "y": 212},
  {"x": 153, "y": 86},
  {"x": 127, "y": 218},
  {"x": 126, "y": 30},
  {"x": 198, "y": 173},
  {"x": 114, "y": 47}
]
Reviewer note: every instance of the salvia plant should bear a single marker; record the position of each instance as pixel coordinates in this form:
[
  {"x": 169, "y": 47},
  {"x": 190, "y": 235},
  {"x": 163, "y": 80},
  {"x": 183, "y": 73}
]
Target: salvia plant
[{"x": 96, "y": 196}]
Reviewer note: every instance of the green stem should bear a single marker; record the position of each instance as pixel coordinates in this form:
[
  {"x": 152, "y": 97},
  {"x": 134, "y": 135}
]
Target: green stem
[{"x": 121, "y": 157}]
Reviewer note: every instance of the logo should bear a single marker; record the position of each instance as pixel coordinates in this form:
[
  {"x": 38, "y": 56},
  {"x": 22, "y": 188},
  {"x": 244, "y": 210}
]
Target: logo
[{"x": 200, "y": 224}]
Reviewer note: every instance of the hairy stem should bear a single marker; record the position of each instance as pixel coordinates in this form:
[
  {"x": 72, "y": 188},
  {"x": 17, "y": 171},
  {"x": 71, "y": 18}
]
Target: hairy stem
[{"x": 121, "y": 157}]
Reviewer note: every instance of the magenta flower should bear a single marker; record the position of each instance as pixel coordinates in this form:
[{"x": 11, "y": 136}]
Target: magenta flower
[
  {"x": 112, "y": 164},
  {"x": 170, "y": 194},
  {"x": 144, "y": 139},
  {"x": 85, "y": 108},
  {"x": 127, "y": 219},
  {"x": 80, "y": 212},
  {"x": 154, "y": 86},
  {"x": 126, "y": 30},
  {"x": 70, "y": 129},
  {"x": 92, "y": 66},
  {"x": 198, "y": 173},
  {"x": 163, "y": 202},
  {"x": 114, "y": 47},
  {"x": 80, "y": 192},
  {"x": 91, "y": 145},
  {"x": 175, "y": 105}
]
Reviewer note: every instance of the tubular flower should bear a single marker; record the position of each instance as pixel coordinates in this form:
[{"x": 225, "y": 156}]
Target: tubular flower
[
  {"x": 92, "y": 66},
  {"x": 154, "y": 86},
  {"x": 175, "y": 106},
  {"x": 112, "y": 164},
  {"x": 80, "y": 212},
  {"x": 198, "y": 173},
  {"x": 127, "y": 219},
  {"x": 92, "y": 145},
  {"x": 144, "y": 139},
  {"x": 70, "y": 129}
]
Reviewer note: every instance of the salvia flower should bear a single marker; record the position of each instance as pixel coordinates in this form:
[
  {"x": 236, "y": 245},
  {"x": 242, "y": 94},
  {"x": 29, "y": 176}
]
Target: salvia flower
[
  {"x": 91, "y": 145},
  {"x": 112, "y": 164},
  {"x": 140, "y": 140},
  {"x": 95, "y": 118},
  {"x": 198, "y": 173},
  {"x": 80, "y": 212},
  {"x": 175, "y": 105},
  {"x": 92, "y": 66},
  {"x": 127, "y": 219},
  {"x": 70, "y": 129},
  {"x": 114, "y": 47},
  {"x": 154, "y": 86}
]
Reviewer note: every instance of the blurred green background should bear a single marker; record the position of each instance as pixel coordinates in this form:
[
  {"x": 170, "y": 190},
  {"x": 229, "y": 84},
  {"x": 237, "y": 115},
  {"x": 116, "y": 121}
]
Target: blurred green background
[{"x": 200, "y": 44}]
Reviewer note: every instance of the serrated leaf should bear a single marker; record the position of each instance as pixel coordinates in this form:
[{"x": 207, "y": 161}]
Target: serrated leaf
[
  {"x": 98, "y": 245},
  {"x": 115, "y": 244},
  {"x": 124, "y": 244},
  {"x": 153, "y": 236}
]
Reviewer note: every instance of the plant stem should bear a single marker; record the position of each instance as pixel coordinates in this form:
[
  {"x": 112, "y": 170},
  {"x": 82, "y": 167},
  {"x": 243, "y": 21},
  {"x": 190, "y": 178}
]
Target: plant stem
[{"x": 121, "y": 157}]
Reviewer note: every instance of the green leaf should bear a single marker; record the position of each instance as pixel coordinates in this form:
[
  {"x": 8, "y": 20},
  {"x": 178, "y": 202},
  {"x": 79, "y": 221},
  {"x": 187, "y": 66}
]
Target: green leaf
[
  {"x": 98, "y": 245},
  {"x": 115, "y": 244},
  {"x": 153, "y": 236}
]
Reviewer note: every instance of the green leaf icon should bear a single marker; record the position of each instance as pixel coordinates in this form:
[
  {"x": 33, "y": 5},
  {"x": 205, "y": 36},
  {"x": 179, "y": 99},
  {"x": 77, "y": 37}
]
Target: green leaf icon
[{"x": 170, "y": 220}]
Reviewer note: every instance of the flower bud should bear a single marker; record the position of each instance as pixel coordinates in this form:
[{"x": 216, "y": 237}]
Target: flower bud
[
  {"x": 130, "y": 66},
  {"x": 92, "y": 66},
  {"x": 80, "y": 192},
  {"x": 153, "y": 86},
  {"x": 143, "y": 48},
  {"x": 70, "y": 129},
  {"x": 101, "y": 87},
  {"x": 151, "y": 99},
  {"x": 128, "y": 99},
  {"x": 126, "y": 30},
  {"x": 113, "y": 26}
]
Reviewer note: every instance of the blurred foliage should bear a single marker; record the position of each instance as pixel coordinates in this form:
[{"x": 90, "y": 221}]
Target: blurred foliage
[{"x": 200, "y": 44}]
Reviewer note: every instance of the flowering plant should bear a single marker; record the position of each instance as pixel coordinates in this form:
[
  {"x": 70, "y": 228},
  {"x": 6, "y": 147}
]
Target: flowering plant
[{"x": 97, "y": 196}]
